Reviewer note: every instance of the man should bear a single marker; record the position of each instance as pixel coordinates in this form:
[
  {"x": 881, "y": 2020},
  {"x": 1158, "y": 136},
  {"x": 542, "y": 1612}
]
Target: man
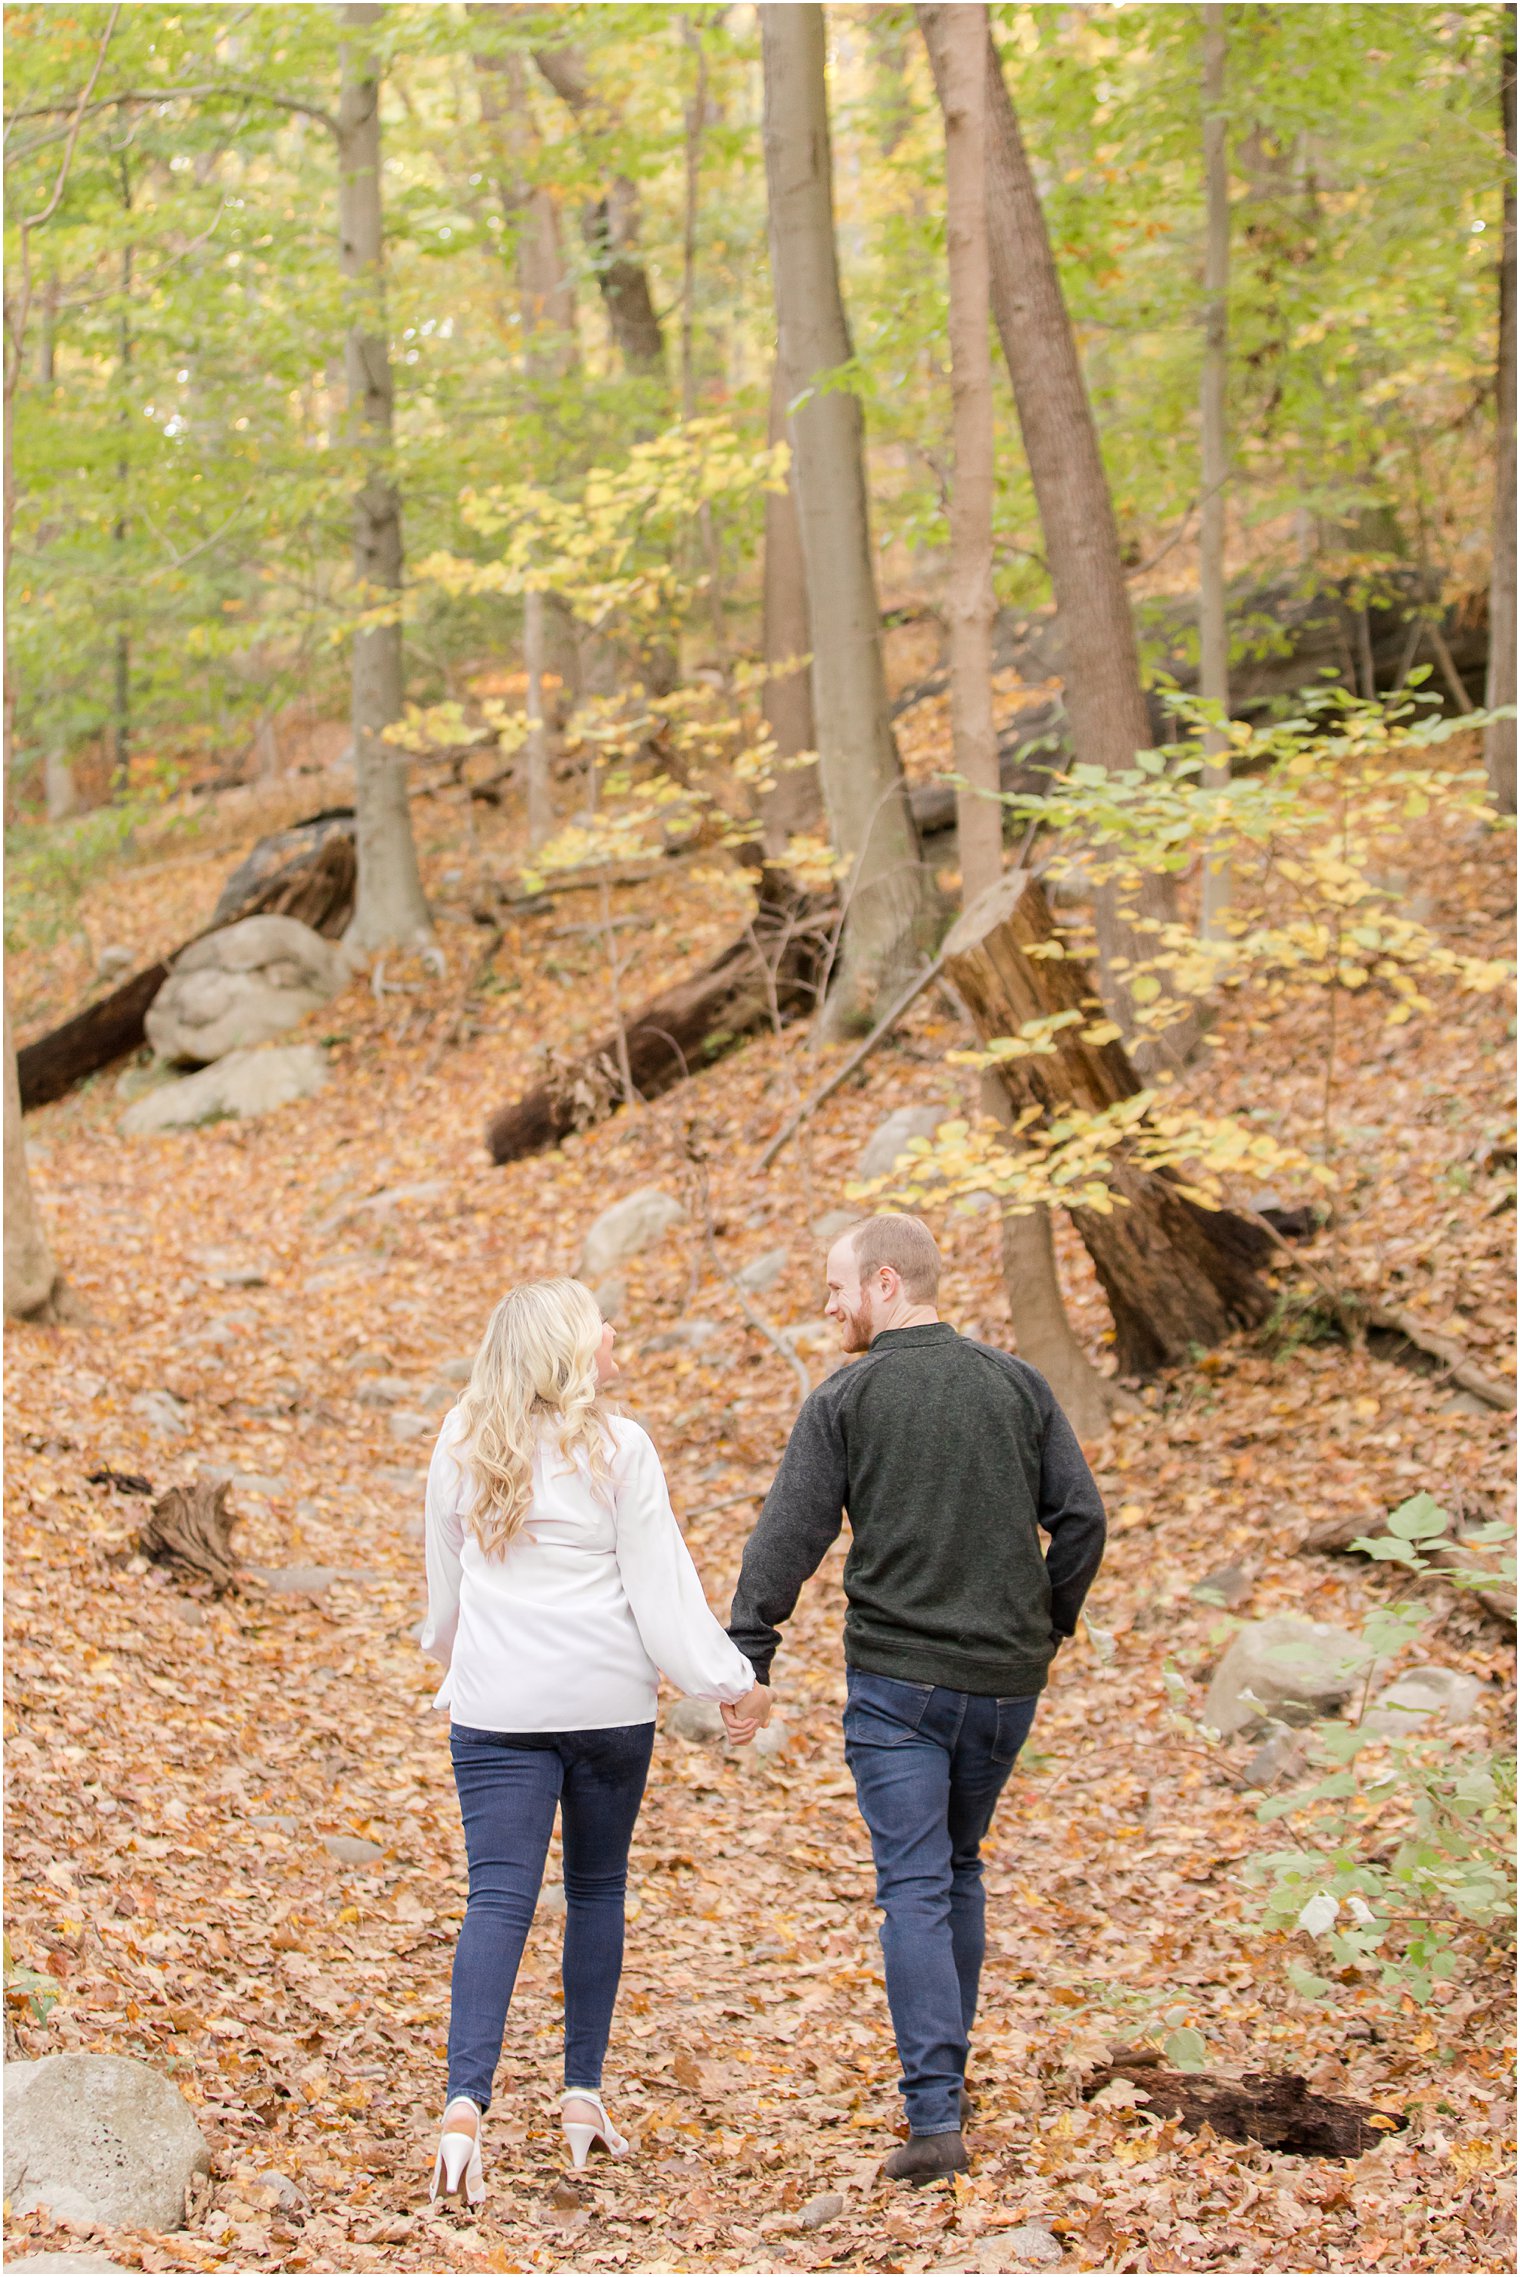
[{"x": 950, "y": 1457}]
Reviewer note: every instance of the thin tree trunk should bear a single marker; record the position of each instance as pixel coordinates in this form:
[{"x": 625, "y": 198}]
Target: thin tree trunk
[
  {"x": 610, "y": 227},
  {"x": 33, "y": 1287},
  {"x": 1105, "y": 701},
  {"x": 863, "y": 784},
  {"x": 957, "y": 39},
  {"x": 1213, "y": 627},
  {"x": 794, "y": 805},
  {"x": 696, "y": 127},
  {"x": 551, "y": 356},
  {"x": 121, "y": 664},
  {"x": 390, "y": 906},
  {"x": 1499, "y": 740}
]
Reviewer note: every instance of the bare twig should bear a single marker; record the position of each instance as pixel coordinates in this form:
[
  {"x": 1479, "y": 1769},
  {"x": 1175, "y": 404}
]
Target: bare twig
[{"x": 884, "y": 1026}]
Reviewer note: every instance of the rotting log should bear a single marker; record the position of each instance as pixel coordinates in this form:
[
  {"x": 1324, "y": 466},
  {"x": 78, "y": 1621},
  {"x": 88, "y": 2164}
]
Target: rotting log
[
  {"x": 189, "y": 1530},
  {"x": 306, "y": 872},
  {"x": 1276, "y": 2109},
  {"x": 775, "y": 968},
  {"x": 1176, "y": 1275}
]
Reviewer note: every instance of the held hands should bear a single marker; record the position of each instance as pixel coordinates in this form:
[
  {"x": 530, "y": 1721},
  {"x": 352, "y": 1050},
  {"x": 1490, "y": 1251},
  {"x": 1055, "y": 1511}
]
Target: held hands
[{"x": 743, "y": 1718}]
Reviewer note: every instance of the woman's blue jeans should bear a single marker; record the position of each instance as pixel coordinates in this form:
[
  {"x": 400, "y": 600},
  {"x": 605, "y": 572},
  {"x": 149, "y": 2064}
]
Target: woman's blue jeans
[
  {"x": 929, "y": 1765},
  {"x": 510, "y": 1784}
]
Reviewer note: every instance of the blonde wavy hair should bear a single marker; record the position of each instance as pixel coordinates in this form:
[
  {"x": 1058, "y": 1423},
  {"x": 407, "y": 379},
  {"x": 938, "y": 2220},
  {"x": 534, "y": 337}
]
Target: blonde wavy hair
[{"x": 535, "y": 1372}]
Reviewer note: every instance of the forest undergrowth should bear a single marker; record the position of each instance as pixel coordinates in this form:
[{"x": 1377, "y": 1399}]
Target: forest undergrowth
[{"x": 283, "y": 1298}]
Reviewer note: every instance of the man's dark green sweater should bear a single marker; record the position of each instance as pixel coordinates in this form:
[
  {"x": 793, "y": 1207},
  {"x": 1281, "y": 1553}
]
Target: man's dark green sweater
[{"x": 950, "y": 1457}]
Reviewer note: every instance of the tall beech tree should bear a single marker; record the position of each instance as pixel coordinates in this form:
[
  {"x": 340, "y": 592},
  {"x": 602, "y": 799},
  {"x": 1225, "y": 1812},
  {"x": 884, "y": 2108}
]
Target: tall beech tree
[
  {"x": 1214, "y": 461},
  {"x": 1499, "y": 739},
  {"x": 795, "y": 802},
  {"x": 863, "y": 784},
  {"x": 390, "y": 906},
  {"x": 956, "y": 37},
  {"x": 1105, "y": 701},
  {"x": 610, "y": 223}
]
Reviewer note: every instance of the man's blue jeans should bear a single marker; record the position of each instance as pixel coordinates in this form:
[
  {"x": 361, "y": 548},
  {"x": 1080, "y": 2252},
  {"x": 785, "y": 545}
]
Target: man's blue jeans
[
  {"x": 929, "y": 1765},
  {"x": 509, "y": 1786}
]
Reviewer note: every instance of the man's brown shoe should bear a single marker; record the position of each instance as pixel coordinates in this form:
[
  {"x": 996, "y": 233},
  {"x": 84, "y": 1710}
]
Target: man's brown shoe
[{"x": 926, "y": 2158}]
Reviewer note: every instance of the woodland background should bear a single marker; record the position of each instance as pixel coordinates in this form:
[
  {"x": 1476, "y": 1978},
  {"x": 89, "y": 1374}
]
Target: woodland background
[{"x": 483, "y": 524}]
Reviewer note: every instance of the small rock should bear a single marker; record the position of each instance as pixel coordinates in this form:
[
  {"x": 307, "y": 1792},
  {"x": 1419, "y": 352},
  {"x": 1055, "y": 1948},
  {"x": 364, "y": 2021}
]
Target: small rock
[
  {"x": 764, "y": 1271},
  {"x": 280, "y": 1822},
  {"x": 385, "y": 1391},
  {"x": 1293, "y": 1670},
  {"x": 141, "y": 1077},
  {"x": 360, "y": 1363},
  {"x": 1466, "y": 1403},
  {"x": 551, "y": 1898},
  {"x": 686, "y": 1336},
  {"x": 826, "y": 2207},
  {"x": 94, "y": 2263},
  {"x": 457, "y": 1371},
  {"x": 1424, "y": 1696},
  {"x": 405, "y": 1423},
  {"x": 771, "y": 1740},
  {"x": 1029, "y": 2246},
  {"x": 627, "y": 1228},
  {"x": 439, "y": 1394},
  {"x": 693, "y": 1720},
  {"x": 99, "y": 2139},
  {"x": 112, "y": 962},
  {"x": 1282, "y": 1756},
  {"x": 611, "y": 1296},
  {"x": 296, "y": 1580},
  {"x": 247, "y": 1482},
  {"x": 890, "y": 1139},
  {"x": 244, "y": 1084},
  {"x": 1226, "y": 1585},
  {"x": 165, "y": 1416},
  {"x": 279, "y": 2187},
  {"x": 833, "y": 1223},
  {"x": 351, "y": 1850}
]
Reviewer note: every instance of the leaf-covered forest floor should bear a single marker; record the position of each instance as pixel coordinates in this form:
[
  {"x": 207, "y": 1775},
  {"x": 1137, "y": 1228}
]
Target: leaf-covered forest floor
[{"x": 175, "y": 1762}]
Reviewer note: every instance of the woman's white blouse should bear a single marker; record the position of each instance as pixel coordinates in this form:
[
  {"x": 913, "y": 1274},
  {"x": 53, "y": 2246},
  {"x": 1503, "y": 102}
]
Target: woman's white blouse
[{"x": 570, "y": 1626}]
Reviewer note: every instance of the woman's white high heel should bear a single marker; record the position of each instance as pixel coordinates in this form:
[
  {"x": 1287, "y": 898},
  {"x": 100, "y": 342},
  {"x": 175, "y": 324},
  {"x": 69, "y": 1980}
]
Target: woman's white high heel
[
  {"x": 457, "y": 2170},
  {"x": 583, "y": 2137}
]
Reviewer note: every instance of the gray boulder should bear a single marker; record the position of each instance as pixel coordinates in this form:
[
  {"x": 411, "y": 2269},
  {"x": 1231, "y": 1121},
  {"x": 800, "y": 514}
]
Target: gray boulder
[
  {"x": 693, "y": 1335},
  {"x": 693, "y": 1719},
  {"x": 1293, "y": 1671},
  {"x": 1421, "y": 1697},
  {"x": 242, "y": 986},
  {"x": 833, "y": 1223},
  {"x": 626, "y": 1228},
  {"x": 764, "y": 1271},
  {"x": 244, "y": 1084},
  {"x": 99, "y": 2139},
  {"x": 890, "y": 1139}
]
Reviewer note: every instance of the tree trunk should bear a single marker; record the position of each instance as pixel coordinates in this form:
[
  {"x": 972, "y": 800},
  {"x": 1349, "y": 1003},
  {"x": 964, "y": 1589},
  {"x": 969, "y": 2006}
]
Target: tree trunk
[
  {"x": 1213, "y": 627},
  {"x": 390, "y": 906},
  {"x": 33, "y": 1285},
  {"x": 1176, "y": 1275},
  {"x": 795, "y": 804},
  {"x": 1105, "y": 701},
  {"x": 957, "y": 40},
  {"x": 772, "y": 971},
  {"x": 610, "y": 227},
  {"x": 863, "y": 783},
  {"x": 1499, "y": 740}
]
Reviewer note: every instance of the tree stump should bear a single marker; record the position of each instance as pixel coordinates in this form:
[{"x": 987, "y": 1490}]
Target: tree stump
[
  {"x": 1276, "y": 2109},
  {"x": 189, "y": 1530},
  {"x": 1176, "y": 1275}
]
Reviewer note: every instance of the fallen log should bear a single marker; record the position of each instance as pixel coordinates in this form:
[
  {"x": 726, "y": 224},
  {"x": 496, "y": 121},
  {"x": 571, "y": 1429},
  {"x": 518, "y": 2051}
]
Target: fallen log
[
  {"x": 1455, "y": 1361},
  {"x": 1491, "y": 1587},
  {"x": 1176, "y": 1275},
  {"x": 774, "y": 968},
  {"x": 307, "y": 872},
  {"x": 1276, "y": 2109}
]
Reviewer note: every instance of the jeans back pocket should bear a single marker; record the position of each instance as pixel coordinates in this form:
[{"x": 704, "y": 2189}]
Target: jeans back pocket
[
  {"x": 884, "y": 1711},
  {"x": 1014, "y": 1718}
]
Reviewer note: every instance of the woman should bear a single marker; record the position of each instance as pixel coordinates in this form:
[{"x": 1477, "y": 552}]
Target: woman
[{"x": 558, "y": 1588}]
